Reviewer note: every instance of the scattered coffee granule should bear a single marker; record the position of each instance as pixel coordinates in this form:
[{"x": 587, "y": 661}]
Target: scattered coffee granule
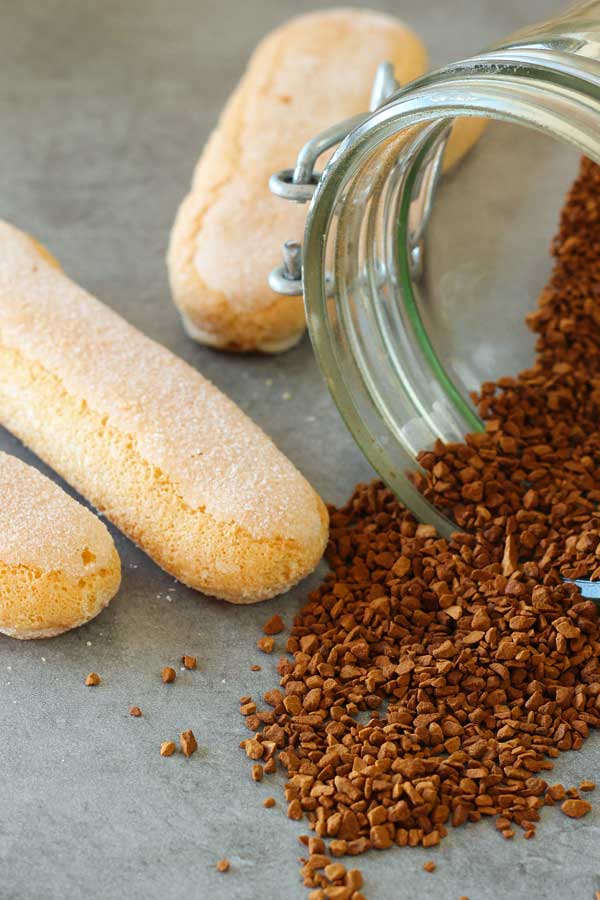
[
  {"x": 587, "y": 786},
  {"x": 135, "y": 711},
  {"x": 188, "y": 742},
  {"x": 168, "y": 675},
  {"x": 274, "y": 625},
  {"x": 189, "y": 662},
  {"x": 467, "y": 711},
  {"x": 266, "y": 644},
  {"x": 223, "y": 865},
  {"x": 254, "y": 749},
  {"x": 575, "y": 809},
  {"x": 431, "y": 682},
  {"x": 269, "y": 802},
  {"x": 429, "y": 866},
  {"x": 294, "y": 810},
  {"x": 335, "y": 871},
  {"x": 93, "y": 679},
  {"x": 167, "y": 748},
  {"x": 255, "y": 668}
]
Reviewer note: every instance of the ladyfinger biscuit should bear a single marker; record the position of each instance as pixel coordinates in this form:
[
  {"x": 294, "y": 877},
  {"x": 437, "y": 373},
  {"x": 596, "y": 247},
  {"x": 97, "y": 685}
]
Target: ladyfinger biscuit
[
  {"x": 304, "y": 77},
  {"x": 58, "y": 564},
  {"x": 146, "y": 439}
]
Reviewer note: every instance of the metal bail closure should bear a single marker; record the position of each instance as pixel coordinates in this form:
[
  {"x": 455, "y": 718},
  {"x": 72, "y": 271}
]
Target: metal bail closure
[
  {"x": 287, "y": 278},
  {"x": 299, "y": 184}
]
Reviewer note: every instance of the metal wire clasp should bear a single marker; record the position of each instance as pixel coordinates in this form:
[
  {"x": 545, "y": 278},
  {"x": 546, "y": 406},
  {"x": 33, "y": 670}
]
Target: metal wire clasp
[{"x": 299, "y": 184}]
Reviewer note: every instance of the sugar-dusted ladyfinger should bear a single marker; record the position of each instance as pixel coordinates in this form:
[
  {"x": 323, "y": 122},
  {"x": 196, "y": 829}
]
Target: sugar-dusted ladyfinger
[
  {"x": 146, "y": 439},
  {"x": 303, "y": 77},
  {"x": 58, "y": 564}
]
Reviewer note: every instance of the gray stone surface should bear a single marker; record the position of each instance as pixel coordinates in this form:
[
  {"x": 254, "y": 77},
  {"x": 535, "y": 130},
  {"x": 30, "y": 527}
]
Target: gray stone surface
[{"x": 104, "y": 107}]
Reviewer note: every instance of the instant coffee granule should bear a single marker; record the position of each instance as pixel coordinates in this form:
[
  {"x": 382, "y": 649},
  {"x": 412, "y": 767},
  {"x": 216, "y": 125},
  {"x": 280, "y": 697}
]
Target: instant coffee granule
[{"x": 432, "y": 682}]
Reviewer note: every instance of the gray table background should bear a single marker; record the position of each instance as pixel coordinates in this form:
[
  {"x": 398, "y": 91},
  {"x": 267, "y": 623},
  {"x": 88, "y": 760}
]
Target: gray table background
[{"x": 104, "y": 107}]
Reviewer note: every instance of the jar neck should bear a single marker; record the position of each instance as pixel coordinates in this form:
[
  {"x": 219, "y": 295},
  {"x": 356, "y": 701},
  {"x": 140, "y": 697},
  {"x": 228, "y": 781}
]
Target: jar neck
[{"x": 364, "y": 240}]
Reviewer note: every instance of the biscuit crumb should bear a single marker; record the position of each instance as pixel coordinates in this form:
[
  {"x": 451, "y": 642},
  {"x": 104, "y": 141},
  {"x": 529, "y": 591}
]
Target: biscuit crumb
[
  {"x": 429, "y": 866},
  {"x": 135, "y": 711},
  {"x": 93, "y": 679},
  {"x": 223, "y": 865}
]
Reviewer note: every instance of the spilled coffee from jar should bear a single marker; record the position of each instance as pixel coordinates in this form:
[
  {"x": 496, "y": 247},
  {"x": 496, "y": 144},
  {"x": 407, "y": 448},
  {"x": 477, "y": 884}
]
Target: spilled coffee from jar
[{"x": 432, "y": 682}]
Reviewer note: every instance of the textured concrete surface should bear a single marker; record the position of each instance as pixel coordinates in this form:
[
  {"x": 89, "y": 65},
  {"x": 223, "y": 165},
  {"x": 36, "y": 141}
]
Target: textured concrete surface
[{"x": 104, "y": 107}]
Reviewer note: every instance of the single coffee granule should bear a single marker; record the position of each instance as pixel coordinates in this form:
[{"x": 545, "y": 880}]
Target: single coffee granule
[
  {"x": 188, "y": 742},
  {"x": 266, "y": 644},
  {"x": 269, "y": 802},
  {"x": 575, "y": 809},
  {"x": 335, "y": 871},
  {"x": 223, "y": 865},
  {"x": 274, "y": 625},
  {"x": 429, "y": 866},
  {"x": 93, "y": 679},
  {"x": 431, "y": 682},
  {"x": 167, "y": 748},
  {"x": 254, "y": 749},
  {"x": 168, "y": 675},
  {"x": 189, "y": 662},
  {"x": 135, "y": 711},
  {"x": 255, "y": 668}
]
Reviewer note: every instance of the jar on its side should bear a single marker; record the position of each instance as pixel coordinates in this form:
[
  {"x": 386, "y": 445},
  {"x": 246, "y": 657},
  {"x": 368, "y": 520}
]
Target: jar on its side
[{"x": 363, "y": 256}]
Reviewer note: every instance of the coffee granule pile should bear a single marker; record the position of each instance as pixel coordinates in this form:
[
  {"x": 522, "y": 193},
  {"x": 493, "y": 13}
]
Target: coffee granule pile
[
  {"x": 432, "y": 682},
  {"x": 529, "y": 487}
]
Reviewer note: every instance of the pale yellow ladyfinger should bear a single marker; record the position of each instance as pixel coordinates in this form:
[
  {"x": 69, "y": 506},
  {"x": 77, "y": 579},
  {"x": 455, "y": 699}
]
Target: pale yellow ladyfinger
[
  {"x": 146, "y": 439},
  {"x": 58, "y": 564},
  {"x": 304, "y": 77}
]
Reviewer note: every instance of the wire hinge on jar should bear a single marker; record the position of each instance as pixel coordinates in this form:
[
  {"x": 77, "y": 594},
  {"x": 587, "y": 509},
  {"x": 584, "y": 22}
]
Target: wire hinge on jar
[{"x": 300, "y": 183}]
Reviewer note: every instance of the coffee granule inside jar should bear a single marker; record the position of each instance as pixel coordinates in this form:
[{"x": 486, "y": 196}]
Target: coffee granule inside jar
[{"x": 474, "y": 662}]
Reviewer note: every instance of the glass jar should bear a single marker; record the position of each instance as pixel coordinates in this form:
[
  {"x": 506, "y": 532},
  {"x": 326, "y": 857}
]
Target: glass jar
[{"x": 398, "y": 366}]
